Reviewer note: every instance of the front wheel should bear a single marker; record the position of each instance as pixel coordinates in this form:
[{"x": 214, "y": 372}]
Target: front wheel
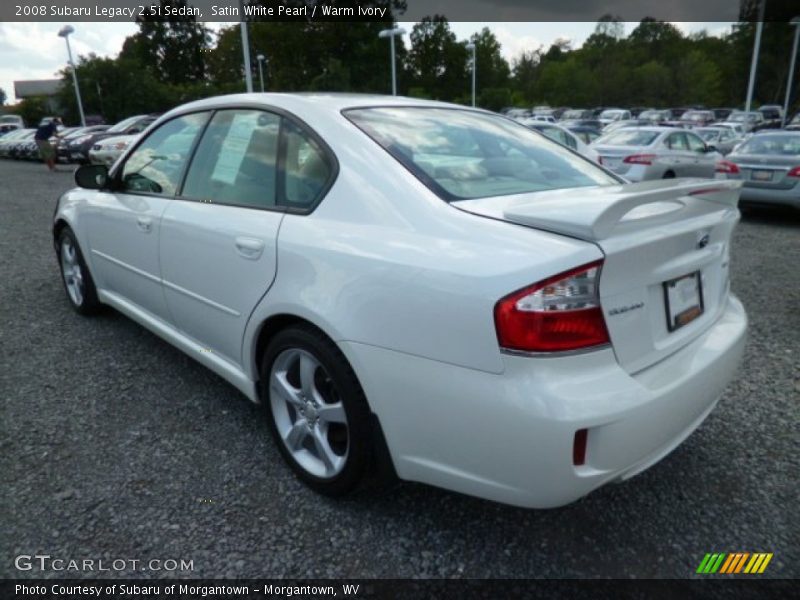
[
  {"x": 78, "y": 282},
  {"x": 316, "y": 410}
]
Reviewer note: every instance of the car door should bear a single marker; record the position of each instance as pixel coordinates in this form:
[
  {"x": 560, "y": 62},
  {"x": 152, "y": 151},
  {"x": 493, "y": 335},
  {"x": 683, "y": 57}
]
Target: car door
[
  {"x": 219, "y": 239},
  {"x": 124, "y": 222},
  {"x": 705, "y": 161},
  {"x": 678, "y": 156}
]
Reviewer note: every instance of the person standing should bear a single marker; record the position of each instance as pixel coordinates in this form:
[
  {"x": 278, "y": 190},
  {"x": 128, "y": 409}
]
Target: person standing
[{"x": 42, "y": 138}]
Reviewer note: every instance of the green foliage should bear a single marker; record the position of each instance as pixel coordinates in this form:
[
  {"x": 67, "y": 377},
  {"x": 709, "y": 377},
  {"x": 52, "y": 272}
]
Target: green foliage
[
  {"x": 32, "y": 110},
  {"x": 3, "y": 97}
]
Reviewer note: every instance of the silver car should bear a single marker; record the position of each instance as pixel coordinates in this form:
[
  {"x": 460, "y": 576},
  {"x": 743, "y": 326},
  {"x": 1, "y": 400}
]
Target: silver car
[
  {"x": 723, "y": 139},
  {"x": 769, "y": 165},
  {"x": 641, "y": 153}
]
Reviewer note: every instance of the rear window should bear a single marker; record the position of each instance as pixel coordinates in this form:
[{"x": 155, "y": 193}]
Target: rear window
[
  {"x": 628, "y": 137},
  {"x": 776, "y": 145},
  {"x": 462, "y": 154}
]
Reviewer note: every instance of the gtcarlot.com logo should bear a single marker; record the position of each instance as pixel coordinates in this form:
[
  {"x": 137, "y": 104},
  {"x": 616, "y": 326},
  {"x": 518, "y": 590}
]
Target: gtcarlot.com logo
[
  {"x": 734, "y": 563},
  {"x": 45, "y": 562}
]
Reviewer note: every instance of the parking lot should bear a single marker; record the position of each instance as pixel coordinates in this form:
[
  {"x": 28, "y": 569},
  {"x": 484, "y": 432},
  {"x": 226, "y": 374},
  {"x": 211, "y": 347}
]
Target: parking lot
[{"x": 115, "y": 445}]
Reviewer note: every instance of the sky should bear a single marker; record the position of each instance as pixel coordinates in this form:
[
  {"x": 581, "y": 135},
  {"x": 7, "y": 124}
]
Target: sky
[{"x": 34, "y": 50}]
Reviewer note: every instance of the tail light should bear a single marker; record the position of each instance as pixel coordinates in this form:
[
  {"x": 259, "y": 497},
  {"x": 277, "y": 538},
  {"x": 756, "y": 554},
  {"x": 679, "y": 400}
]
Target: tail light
[
  {"x": 728, "y": 167},
  {"x": 794, "y": 172},
  {"x": 557, "y": 314},
  {"x": 639, "y": 159}
]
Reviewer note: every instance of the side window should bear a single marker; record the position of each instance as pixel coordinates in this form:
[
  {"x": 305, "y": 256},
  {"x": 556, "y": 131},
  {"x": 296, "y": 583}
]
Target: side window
[
  {"x": 236, "y": 161},
  {"x": 725, "y": 135},
  {"x": 695, "y": 143},
  {"x": 677, "y": 141},
  {"x": 155, "y": 167},
  {"x": 306, "y": 165},
  {"x": 570, "y": 140}
]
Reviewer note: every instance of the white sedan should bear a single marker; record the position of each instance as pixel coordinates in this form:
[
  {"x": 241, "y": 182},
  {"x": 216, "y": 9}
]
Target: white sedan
[
  {"x": 417, "y": 285},
  {"x": 108, "y": 150}
]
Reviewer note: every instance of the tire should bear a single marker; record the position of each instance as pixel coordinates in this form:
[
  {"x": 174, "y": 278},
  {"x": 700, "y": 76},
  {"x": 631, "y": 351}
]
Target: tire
[
  {"x": 669, "y": 175},
  {"x": 75, "y": 275},
  {"x": 316, "y": 410}
]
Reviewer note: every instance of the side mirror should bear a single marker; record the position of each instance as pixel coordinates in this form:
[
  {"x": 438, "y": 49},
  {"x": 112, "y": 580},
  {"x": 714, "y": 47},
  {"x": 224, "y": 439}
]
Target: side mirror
[
  {"x": 711, "y": 148},
  {"x": 92, "y": 177}
]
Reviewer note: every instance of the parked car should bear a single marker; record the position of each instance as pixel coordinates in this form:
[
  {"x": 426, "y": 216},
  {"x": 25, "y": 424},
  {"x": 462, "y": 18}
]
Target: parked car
[
  {"x": 722, "y": 139},
  {"x": 750, "y": 121},
  {"x": 768, "y": 164},
  {"x": 457, "y": 296},
  {"x": 614, "y": 114},
  {"x": 625, "y": 123},
  {"x": 17, "y": 148},
  {"x": 565, "y": 137},
  {"x": 586, "y": 134},
  {"x": 773, "y": 116},
  {"x": 79, "y": 147},
  {"x": 10, "y": 140},
  {"x": 593, "y": 123},
  {"x": 518, "y": 114},
  {"x": 794, "y": 124},
  {"x": 641, "y": 153},
  {"x": 737, "y": 128},
  {"x": 721, "y": 114},
  {"x": 64, "y": 146},
  {"x": 540, "y": 118},
  {"x": 575, "y": 114},
  {"x": 697, "y": 118},
  {"x": 10, "y": 123},
  {"x": 108, "y": 150},
  {"x": 655, "y": 116}
]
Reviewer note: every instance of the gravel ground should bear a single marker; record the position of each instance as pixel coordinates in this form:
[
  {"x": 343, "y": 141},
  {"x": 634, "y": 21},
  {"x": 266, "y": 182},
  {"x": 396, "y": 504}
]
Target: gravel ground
[{"x": 114, "y": 445}]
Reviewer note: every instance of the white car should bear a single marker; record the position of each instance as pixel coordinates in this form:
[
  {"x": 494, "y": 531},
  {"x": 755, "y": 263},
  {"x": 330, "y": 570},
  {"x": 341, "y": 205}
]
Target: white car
[
  {"x": 108, "y": 150},
  {"x": 419, "y": 283},
  {"x": 614, "y": 114},
  {"x": 565, "y": 137}
]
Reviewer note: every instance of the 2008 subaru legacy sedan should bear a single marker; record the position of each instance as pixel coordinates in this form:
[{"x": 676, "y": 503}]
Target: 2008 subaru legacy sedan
[{"x": 439, "y": 286}]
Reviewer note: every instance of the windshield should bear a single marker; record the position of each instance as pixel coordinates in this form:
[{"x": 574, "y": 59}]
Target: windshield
[
  {"x": 572, "y": 114},
  {"x": 123, "y": 125},
  {"x": 651, "y": 114},
  {"x": 775, "y": 145},
  {"x": 461, "y": 154},
  {"x": 611, "y": 114},
  {"x": 742, "y": 117},
  {"x": 628, "y": 137}
]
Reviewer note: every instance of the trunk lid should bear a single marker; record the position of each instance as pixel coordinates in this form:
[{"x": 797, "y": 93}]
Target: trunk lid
[{"x": 665, "y": 276}]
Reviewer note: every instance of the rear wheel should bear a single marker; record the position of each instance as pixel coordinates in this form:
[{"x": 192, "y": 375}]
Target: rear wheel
[
  {"x": 78, "y": 282},
  {"x": 316, "y": 410}
]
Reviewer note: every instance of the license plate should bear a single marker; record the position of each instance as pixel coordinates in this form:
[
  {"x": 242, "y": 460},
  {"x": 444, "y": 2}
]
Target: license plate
[
  {"x": 684, "y": 300},
  {"x": 757, "y": 175}
]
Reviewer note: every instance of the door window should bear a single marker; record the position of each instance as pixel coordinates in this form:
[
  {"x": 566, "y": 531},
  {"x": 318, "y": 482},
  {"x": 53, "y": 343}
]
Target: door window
[
  {"x": 677, "y": 141},
  {"x": 236, "y": 161},
  {"x": 156, "y": 166},
  {"x": 695, "y": 143},
  {"x": 307, "y": 168}
]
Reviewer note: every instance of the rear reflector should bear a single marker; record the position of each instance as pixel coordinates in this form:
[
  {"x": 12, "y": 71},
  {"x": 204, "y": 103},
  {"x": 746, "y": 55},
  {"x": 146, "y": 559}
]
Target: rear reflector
[
  {"x": 557, "y": 314},
  {"x": 639, "y": 159},
  {"x": 579, "y": 447},
  {"x": 725, "y": 166}
]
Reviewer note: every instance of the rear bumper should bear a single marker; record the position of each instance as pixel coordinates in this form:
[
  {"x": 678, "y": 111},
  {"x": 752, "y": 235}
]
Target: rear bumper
[
  {"x": 509, "y": 437},
  {"x": 753, "y": 195}
]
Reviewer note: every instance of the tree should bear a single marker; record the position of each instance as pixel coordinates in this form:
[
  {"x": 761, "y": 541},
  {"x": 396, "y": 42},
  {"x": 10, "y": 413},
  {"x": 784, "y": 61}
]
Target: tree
[
  {"x": 32, "y": 110},
  {"x": 525, "y": 75},
  {"x": 3, "y": 97},
  {"x": 493, "y": 70},
  {"x": 173, "y": 47},
  {"x": 438, "y": 63}
]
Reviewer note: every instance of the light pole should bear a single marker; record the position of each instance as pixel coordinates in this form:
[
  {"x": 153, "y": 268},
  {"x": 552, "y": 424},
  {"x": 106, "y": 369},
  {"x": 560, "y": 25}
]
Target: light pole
[
  {"x": 796, "y": 23},
  {"x": 391, "y": 34},
  {"x": 261, "y": 58},
  {"x": 248, "y": 76},
  {"x": 65, "y": 32},
  {"x": 471, "y": 46},
  {"x": 756, "y": 47}
]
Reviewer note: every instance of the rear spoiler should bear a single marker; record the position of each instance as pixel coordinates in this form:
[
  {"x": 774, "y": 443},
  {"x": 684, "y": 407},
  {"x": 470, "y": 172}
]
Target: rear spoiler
[{"x": 593, "y": 213}]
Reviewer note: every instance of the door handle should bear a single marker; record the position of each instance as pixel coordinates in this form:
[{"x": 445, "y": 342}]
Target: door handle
[
  {"x": 145, "y": 224},
  {"x": 249, "y": 247}
]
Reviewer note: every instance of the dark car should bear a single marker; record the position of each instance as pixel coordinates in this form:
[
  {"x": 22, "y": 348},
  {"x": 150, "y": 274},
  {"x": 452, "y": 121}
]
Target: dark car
[
  {"x": 63, "y": 144},
  {"x": 773, "y": 117},
  {"x": 78, "y": 149},
  {"x": 721, "y": 114},
  {"x": 697, "y": 118}
]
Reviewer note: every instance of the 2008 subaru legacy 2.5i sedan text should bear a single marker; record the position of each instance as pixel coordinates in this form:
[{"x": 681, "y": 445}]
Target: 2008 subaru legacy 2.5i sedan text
[{"x": 435, "y": 285}]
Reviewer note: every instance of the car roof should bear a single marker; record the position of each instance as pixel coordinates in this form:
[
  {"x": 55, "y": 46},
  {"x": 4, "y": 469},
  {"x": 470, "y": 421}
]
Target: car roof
[{"x": 323, "y": 102}]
